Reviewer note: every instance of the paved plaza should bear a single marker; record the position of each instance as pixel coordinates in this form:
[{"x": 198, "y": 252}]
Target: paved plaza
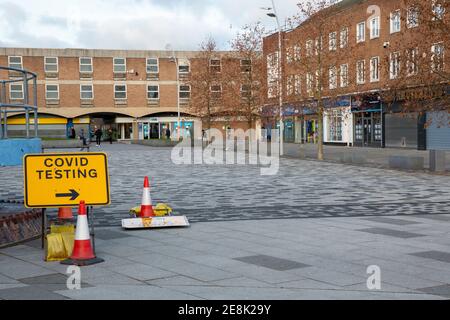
[{"x": 310, "y": 232}]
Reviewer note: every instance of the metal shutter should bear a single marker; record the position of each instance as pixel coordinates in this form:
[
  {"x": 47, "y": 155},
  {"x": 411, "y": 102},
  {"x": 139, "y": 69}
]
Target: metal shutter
[{"x": 438, "y": 131}]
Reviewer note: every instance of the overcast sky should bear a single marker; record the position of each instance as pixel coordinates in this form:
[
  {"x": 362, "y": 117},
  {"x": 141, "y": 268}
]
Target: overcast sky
[{"x": 130, "y": 24}]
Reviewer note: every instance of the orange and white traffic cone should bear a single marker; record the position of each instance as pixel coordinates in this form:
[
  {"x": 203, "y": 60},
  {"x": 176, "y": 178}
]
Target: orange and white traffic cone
[
  {"x": 65, "y": 213},
  {"x": 147, "y": 207},
  {"x": 82, "y": 254}
]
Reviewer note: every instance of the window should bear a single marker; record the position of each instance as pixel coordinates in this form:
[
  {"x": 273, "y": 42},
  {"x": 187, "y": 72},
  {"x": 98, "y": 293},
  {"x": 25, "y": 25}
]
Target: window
[
  {"x": 361, "y": 32},
  {"x": 120, "y": 91},
  {"x": 309, "y": 48},
  {"x": 185, "y": 92},
  {"x": 412, "y": 18},
  {"x": 152, "y": 65},
  {"x": 333, "y": 41},
  {"x": 396, "y": 21},
  {"x": 290, "y": 85},
  {"x": 86, "y": 65},
  {"x": 16, "y": 91},
  {"x": 394, "y": 65},
  {"x": 15, "y": 62},
  {"x": 344, "y": 75},
  {"x": 297, "y": 85},
  {"x": 289, "y": 55},
  {"x": 153, "y": 92},
  {"x": 335, "y": 118},
  {"x": 332, "y": 77},
  {"x": 120, "y": 65},
  {"x": 52, "y": 92},
  {"x": 246, "y": 91},
  {"x": 86, "y": 91},
  {"x": 412, "y": 66},
  {"x": 318, "y": 46},
  {"x": 437, "y": 57},
  {"x": 344, "y": 37},
  {"x": 216, "y": 91},
  {"x": 309, "y": 84},
  {"x": 375, "y": 28},
  {"x": 360, "y": 72},
  {"x": 51, "y": 64},
  {"x": 215, "y": 65},
  {"x": 246, "y": 65},
  {"x": 184, "y": 68},
  {"x": 374, "y": 69},
  {"x": 438, "y": 10},
  {"x": 297, "y": 52}
]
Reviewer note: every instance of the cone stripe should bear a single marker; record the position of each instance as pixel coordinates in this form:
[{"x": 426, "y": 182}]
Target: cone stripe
[
  {"x": 82, "y": 250},
  {"x": 82, "y": 229},
  {"x": 146, "y": 197}
]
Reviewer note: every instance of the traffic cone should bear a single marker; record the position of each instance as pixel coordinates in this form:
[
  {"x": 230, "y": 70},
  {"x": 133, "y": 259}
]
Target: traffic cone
[
  {"x": 65, "y": 213},
  {"x": 82, "y": 254},
  {"x": 147, "y": 207}
]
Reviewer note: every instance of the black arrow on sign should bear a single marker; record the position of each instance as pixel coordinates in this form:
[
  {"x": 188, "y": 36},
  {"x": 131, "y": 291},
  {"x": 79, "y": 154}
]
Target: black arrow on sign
[{"x": 73, "y": 195}]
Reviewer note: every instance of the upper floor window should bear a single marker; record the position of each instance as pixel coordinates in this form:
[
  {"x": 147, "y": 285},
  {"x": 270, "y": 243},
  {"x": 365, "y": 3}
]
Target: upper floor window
[
  {"x": 297, "y": 85},
  {"x": 310, "y": 84},
  {"x": 412, "y": 17},
  {"x": 361, "y": 32},
  {"x": 318, "y": 46},
  {"x": 437, "y": 57},
  {"x": 16, "y": 91},
  {"x": 412, "y": 65},
  {"x": 15, "y": 62},
  {"x": 120, "y": 65},
  {"x": 396, "y": 21},
  {"x": 438, "y": 10},
  {"x": 215, "y": 65},
  {"x": 52, "y": 91},
  {"x": 246, "y": 91},
  {"x": 153, "y": 92},
  {"x": 375, "y": 69},
  {"x": 86, "y": 91},
  {"x": 152, "y": 65},
  {"x": 344, "y": 37},
  {"x": 290, "y": 85},
  {"x": 120, "y": 91},
  {"x": 361, "y": 72},
  {"x": 184, "y": 67},
  {"x": 86, "y": 65},
  {"x": 332, "y": 77},
  {"x": 185, "y": 92},
  {"x": 375, "y": 27},
  {"x": 297, "y": 52},
  {"x": 309, "y": 48},
  {"x": 344, "y": 75},
  {"x": 216, "y": 91},
  {"x": 246, "y": 65},
  {"x": 51, "y": 64},
  {"x": 289, "y": 55},
  {"x": 333, "y": 41},
  {"x": 394, "y": 69}
]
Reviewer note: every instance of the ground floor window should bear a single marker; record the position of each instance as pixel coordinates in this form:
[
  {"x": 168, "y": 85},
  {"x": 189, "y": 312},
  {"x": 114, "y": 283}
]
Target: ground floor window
[{"x": 335, "y": 120}]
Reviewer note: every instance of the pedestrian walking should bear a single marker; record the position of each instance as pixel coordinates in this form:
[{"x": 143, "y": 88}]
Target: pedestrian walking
[
  {"x": 98, "y": 135},
  {"x": 168, "y": 133},
  {"x": 110, "y": 135},
  {"x": 73, "y": 134},
  {"x": 83, "y": 139}
]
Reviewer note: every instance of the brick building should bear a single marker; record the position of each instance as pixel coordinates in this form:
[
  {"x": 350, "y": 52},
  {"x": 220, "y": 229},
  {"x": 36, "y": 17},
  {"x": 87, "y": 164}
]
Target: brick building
[
  {"x": 135, "y": 93},
  {"x": 369, "y": 50}
]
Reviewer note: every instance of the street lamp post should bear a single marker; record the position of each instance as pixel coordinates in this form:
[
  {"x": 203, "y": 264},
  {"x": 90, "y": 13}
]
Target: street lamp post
[
  {"x": 280, "y": 73},
  {"x": 174, "y": 58}
]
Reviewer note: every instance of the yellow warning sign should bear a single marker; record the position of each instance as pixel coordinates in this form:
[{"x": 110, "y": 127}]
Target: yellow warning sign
[{"x": 63, "y": 180}]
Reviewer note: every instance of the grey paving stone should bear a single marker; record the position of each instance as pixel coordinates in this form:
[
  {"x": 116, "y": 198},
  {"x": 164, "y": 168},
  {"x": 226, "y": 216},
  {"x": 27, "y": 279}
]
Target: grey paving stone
[
  {"x": 19, "y": 269},
  {"x": 110, "y": 235},
  {"x": 176, "y": 281},
  {"x": 141, "y": 272},
  {"x": 29, "y": 293},
  {"x": 272, "y": 262},
  {"x": 51, "y": 282},
  {"x": 443, "y": 291},
  {"x": 398, "y": 222},
  {"x": 434, "y": 255},
  {"x": 392, "y": 233}
]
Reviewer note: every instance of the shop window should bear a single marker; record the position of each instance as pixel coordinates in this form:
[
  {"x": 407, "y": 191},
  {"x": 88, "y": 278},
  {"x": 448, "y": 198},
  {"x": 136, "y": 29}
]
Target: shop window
[{"x": 335, "y": 119}]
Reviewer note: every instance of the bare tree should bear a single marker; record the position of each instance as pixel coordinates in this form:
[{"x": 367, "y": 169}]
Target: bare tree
[{"x": 205, "y": 78}]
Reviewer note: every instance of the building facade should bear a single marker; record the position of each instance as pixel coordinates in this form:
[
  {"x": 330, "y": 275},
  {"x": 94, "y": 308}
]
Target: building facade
[
  {"x": 368, "y": 62},
  {"x": 137, "y": 94}
]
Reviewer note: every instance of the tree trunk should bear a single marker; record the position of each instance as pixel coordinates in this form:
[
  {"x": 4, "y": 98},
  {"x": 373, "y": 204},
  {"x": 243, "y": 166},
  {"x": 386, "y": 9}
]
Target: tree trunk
[{"x": 320, "y": 155}]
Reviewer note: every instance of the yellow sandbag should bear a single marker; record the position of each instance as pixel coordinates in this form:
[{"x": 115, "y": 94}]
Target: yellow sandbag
[
  {"x": 162, "y": 210},
  {"x": 62, "y": 229},
  {"x": 69, "y": 241},
  {"x": 56, "y": 251}
]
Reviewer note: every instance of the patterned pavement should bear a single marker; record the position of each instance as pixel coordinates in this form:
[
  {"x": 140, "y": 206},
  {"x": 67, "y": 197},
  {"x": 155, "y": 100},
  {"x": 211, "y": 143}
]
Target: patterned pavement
[{"x": 302, "y": 189}]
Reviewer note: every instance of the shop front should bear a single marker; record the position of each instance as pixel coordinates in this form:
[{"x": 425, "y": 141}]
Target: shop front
[
  {"x": 368, "y": 121},
  {"x": 338, "y": 122}
]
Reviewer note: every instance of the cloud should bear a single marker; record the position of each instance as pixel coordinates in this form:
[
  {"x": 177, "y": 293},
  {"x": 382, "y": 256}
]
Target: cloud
[{"x": 132, "y": 24}]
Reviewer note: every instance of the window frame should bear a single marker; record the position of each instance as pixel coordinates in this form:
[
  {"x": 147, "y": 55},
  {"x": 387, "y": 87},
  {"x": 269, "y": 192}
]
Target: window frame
[
  {"x": 157, "y": 91},
  {"x": 343, "y": 36},
  {"x": 21, "y": 62},
  {"x": 358, "y": 38},
  {"x": 297, "y": 85},
  {"x": 116, "y": 65},
  {"x": 378, "y": 29},
  {"x": 309, "y": 47},
  {"x": 91, "y": 64},
  {"x": 343, "y": 80},
  {"x": 394, "y": 14},
  {"x": 412, "y": 56},
  {"x": 47, "y": 91},
  {"x": 246, "y": 93},
  {"x": 84, "y": 91},
  {"x": 332, "y": 78},
  {"x": 15, "y": 91},
  {"x": 212, "y": 66},
  {"x": 46, "y": 64},
  {"x": 115, "y": 91},
  {"x": 358, "y": 72},
  {"x": 290, "y": 85},
  {"x": 216, "y": 94},
  {"x": 394, "y": 66},
  {"x": 332, "y": 41},
  {"x": 433, "y": 55},
  {"x": 184, "y": 91},
  {"x": 248, "y": 66},
  {"x": 409, "y": 11},
  {"x": 373, "y": 69},
  {"x": 147, "y": 65}
]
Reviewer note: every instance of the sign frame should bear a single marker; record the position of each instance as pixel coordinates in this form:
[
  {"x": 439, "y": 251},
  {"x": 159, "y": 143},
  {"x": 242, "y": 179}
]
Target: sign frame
[{"x": 79, "y": 154}]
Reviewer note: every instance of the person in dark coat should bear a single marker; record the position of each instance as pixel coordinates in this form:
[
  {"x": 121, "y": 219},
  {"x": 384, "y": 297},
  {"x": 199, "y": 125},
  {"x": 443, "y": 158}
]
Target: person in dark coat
[{"x": 98, "y": 135}]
